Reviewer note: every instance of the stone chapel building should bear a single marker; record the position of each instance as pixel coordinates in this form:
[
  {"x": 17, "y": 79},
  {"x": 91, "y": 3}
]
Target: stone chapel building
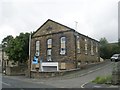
[{"x": 56, "y": 47}]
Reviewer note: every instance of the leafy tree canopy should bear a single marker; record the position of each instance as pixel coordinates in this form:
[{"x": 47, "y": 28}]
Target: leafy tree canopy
[
  {"x": 108, "y": 49},
  {"x": 119, "y": 42},
  {"x": 103, "y": 41},
  {"x": 6, "y": 41},
  {"x": 17, "y": 48}
]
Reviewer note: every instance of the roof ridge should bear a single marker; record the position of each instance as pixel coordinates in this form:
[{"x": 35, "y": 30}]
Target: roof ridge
[{"x": 62, "y": 25}]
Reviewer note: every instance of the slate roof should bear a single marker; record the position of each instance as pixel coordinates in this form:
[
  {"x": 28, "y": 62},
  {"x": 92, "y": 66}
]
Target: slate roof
[{"x": 64, "y": 26}]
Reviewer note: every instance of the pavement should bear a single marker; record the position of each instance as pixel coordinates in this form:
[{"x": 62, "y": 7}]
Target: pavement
[{"x": 94, "y": 85}]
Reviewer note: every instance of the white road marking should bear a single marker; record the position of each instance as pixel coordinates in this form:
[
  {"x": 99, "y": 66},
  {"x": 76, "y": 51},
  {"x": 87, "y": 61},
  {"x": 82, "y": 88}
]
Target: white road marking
[{"x": 82, "y": 86}]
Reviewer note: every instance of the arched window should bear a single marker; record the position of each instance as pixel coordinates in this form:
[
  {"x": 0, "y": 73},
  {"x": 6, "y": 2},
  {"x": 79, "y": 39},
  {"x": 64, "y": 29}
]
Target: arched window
[
  {"x": 85, "y": 46},
  {"x": 37, "y": 48},
  {"x": 92, "y": 53},
  {"x": 96, "y": 48},
  {"x": 63, "y": 46},
  {"x": 49, "y": 43},
  {"x": 49, "y": 49},
  {"x": 78, "y": 44}
]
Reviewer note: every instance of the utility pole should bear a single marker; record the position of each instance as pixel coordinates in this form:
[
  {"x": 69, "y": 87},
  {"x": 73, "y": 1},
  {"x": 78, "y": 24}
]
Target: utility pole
[{"x": 29, "y": 62}]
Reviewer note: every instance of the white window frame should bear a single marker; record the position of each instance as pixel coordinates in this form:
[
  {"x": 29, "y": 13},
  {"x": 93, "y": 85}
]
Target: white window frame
[
  {"x": 49, "y": 49},
  {"x": 49, "y": 52},
  {"x": 96, "y": 48},
  {"x": 63, "y": 39},
  {"x": 62, "y": 45},
  {"x": 86, "y": 46},
  {"x": 92, "y": 52},
  {"x": 49, "y": 58},
  {"x": 37, "y": 47},
  {"x": 49, "y": 43},
  {"x": 78, "y": 44}
]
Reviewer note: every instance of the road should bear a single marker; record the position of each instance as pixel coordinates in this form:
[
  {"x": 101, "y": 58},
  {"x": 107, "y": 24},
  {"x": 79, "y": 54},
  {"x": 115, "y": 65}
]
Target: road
[
  {"x": 8, "y": 82},
  {"x": 74, "y": 80}
]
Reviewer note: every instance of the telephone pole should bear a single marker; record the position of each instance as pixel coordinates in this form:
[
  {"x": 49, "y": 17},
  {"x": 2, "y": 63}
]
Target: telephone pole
[{"x": 29, "y": 61}]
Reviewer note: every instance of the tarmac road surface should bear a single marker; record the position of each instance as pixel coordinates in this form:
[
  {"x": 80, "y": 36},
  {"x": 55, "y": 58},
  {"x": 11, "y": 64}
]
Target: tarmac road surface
[{"x": 74, "y": 80}]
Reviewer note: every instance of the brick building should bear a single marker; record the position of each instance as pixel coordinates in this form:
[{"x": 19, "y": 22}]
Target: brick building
[{"x": 57, "y": 47}]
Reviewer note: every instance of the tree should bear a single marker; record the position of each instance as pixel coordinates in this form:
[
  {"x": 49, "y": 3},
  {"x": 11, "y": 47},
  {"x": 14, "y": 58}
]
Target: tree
[
  {"x": 119, "y": 42},
  {"x": 17, "y": 48},
  {"x": 108, "y": 49},
  {"x": 103, "y": 41},
  {"x": 6, "y": 41},
  {"x": 103, "y": 48},
  {"x": 22, "y": 47}
]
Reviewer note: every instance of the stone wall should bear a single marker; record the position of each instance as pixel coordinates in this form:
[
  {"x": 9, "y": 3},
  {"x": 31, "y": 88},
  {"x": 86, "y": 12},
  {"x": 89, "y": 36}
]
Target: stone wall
[
  {"x": 48, "y": 74},
  {"x": 116, "y": 73},
  {"x": 16, "y": 70},
  {"x": 35, "y": 74}
]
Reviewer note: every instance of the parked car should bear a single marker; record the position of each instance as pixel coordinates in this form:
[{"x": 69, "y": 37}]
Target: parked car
[{"x": 115, "y": 57}]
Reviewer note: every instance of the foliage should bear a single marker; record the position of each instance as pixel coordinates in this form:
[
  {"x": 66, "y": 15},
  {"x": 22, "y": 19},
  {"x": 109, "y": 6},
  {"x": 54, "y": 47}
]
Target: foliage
[
  {"x": 17, "y": 48},
  {"x": 6, "y": 41},
  {"x": 108, "y": 49},
  {"x": 103, "y": 48},
  {"x": 102, "y": 79},
  {"x": 119, "y": 42},
  {"x": 103, "y": 41}
]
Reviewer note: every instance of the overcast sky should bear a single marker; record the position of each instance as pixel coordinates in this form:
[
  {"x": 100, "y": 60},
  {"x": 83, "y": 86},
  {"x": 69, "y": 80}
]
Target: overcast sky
[{"x": 96, "y": 18}]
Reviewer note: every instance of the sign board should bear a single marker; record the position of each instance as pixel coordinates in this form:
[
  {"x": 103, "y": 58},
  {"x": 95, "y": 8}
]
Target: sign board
[
  {"x": 48, "y": 65},
  {"x": 35, "y": 60}
]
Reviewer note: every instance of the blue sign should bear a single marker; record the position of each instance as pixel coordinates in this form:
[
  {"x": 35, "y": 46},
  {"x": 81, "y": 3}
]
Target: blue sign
[{"x": 35, "y": 60}]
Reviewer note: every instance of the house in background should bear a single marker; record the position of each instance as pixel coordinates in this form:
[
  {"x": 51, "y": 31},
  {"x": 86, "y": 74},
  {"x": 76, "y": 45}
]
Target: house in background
[
  {"x": 56, "y": 47},
  {"x": 3, "y": 59},
  {"x": 9, "y": 67}
]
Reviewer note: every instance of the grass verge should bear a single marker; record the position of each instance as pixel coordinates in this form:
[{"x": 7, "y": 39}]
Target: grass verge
[{"x": 103, "y": 79}]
